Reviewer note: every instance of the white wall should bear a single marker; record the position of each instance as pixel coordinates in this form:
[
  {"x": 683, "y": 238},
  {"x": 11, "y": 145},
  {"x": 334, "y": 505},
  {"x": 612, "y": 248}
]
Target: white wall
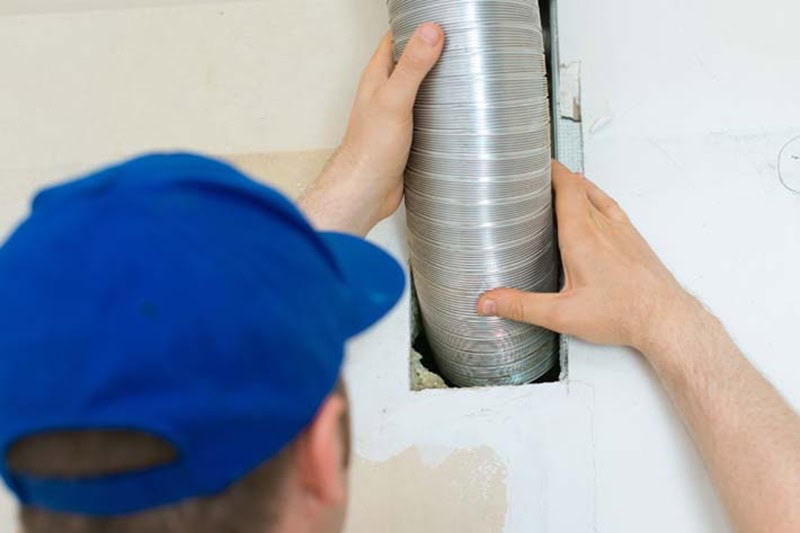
[{"x": 686, "y": 104}]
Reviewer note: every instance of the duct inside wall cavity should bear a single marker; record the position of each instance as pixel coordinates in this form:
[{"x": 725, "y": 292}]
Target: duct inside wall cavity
[{"x": 478, "y": 188}]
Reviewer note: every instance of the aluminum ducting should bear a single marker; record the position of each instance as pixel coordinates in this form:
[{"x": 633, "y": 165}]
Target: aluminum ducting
[{"x": 478, "y": 185}]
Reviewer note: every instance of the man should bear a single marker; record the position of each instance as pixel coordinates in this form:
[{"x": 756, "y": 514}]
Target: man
[{"x": 154, "y": 376}]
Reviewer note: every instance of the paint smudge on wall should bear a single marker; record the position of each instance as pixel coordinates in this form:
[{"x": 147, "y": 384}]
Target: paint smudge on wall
[{"x": 466, "y": 493}]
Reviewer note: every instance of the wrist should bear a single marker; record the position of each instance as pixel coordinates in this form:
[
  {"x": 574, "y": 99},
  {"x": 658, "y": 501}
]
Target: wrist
[{"x": 678, "y": 315}]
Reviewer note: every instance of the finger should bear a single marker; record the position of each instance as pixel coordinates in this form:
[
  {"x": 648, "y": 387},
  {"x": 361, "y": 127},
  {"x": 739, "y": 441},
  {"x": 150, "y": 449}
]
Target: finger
[
  {"x": 421, "y": 54},
  {"x": 380, "y": 66},
  {"x": 570, "y": 192},
  {"x": 540, "y": 309},
  {"x": 604, "y": 203}
]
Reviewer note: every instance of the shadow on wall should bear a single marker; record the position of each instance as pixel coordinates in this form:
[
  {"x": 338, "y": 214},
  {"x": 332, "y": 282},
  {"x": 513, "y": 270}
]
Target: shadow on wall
[{"x": 466, "y": 493}]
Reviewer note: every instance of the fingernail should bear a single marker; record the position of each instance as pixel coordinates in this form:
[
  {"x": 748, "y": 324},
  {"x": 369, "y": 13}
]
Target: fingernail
[
  {"x": 488, "y": 307},
  {"x": 430, "y": 34}
]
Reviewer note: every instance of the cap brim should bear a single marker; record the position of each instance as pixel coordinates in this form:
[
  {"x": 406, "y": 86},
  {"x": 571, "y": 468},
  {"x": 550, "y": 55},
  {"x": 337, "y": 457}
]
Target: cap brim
[{"x": 375, "y": 277}]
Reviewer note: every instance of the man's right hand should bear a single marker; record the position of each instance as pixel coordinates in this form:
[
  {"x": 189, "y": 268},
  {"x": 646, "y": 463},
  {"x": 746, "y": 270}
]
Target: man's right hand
[
  {"x": 618, "y": 292},
  {"x": 616, "y": 289}
]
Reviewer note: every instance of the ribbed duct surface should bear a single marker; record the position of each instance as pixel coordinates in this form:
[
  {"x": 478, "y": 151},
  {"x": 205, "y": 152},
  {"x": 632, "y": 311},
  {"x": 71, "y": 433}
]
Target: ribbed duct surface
[{"x": 478, "y": 185}]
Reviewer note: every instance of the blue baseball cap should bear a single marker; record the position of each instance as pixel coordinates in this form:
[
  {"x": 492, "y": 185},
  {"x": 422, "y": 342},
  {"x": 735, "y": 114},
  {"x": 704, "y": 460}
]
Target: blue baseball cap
[{"x": 174, "y": 296}]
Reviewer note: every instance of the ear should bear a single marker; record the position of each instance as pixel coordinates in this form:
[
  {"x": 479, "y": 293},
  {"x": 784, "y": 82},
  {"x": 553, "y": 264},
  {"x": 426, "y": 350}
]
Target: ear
[{"x": 321, "y": 454}]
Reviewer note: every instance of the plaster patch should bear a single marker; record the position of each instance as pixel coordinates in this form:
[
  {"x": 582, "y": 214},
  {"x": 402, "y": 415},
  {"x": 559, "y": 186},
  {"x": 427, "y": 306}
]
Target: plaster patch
[{"x": 466, "y": 492}]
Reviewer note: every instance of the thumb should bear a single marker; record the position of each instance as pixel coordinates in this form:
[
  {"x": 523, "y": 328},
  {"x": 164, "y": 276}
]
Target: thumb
[
  {"x": 421, "y": 53},
  {"x": 539, "y": 309}
]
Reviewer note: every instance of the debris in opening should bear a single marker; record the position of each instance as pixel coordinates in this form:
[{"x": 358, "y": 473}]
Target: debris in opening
[{"x": 421, "y": 377}]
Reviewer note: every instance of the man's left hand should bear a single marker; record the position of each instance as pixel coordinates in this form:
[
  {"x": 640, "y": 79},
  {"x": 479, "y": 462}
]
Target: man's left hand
[{"x": 363, "y": 182}]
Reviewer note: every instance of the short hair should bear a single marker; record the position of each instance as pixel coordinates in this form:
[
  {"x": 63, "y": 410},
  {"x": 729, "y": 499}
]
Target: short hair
[{"x": 250, "y": 505}]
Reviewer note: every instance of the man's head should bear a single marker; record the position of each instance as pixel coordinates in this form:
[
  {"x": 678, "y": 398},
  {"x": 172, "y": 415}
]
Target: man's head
[
  {"x": 302, "y": 487},
  {"x": 176, "y": 339}
]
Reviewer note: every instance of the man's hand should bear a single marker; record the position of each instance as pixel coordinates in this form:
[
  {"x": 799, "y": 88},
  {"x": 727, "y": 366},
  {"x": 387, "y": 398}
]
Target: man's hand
[
  {"x": 363, "y": 182},
  {"x": 618, "y": 292},
  {"x": 616, "y": 289}
]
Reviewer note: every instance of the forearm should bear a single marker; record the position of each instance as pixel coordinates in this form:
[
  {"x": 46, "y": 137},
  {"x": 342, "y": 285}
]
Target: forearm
[
  {"x": 748, "y": 435},
  {"x": 617, "y": 291},
  {"x": 336, "y": 200}
]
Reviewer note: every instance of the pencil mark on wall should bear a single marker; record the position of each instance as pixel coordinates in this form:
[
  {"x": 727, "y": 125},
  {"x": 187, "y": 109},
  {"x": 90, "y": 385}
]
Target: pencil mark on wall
[
  {"x": 705, "y": 68},
  {"x": 657, "y": 145},
  {"x": 789, "y": 165}
]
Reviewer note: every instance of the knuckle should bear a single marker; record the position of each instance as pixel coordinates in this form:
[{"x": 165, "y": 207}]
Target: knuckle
[
  {"x": 365, "y": 95},
  {"x": 415, "y": 58},
  {"x": 411, "y": 69},
  {"x": 364, "y": 79},
  {"x": 620, "y": 214},
  {"x": 516, "y": 310}
]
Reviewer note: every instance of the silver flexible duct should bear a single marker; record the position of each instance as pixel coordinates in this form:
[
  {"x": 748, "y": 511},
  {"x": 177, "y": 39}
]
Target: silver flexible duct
[{"x": 478, "y": 185}]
